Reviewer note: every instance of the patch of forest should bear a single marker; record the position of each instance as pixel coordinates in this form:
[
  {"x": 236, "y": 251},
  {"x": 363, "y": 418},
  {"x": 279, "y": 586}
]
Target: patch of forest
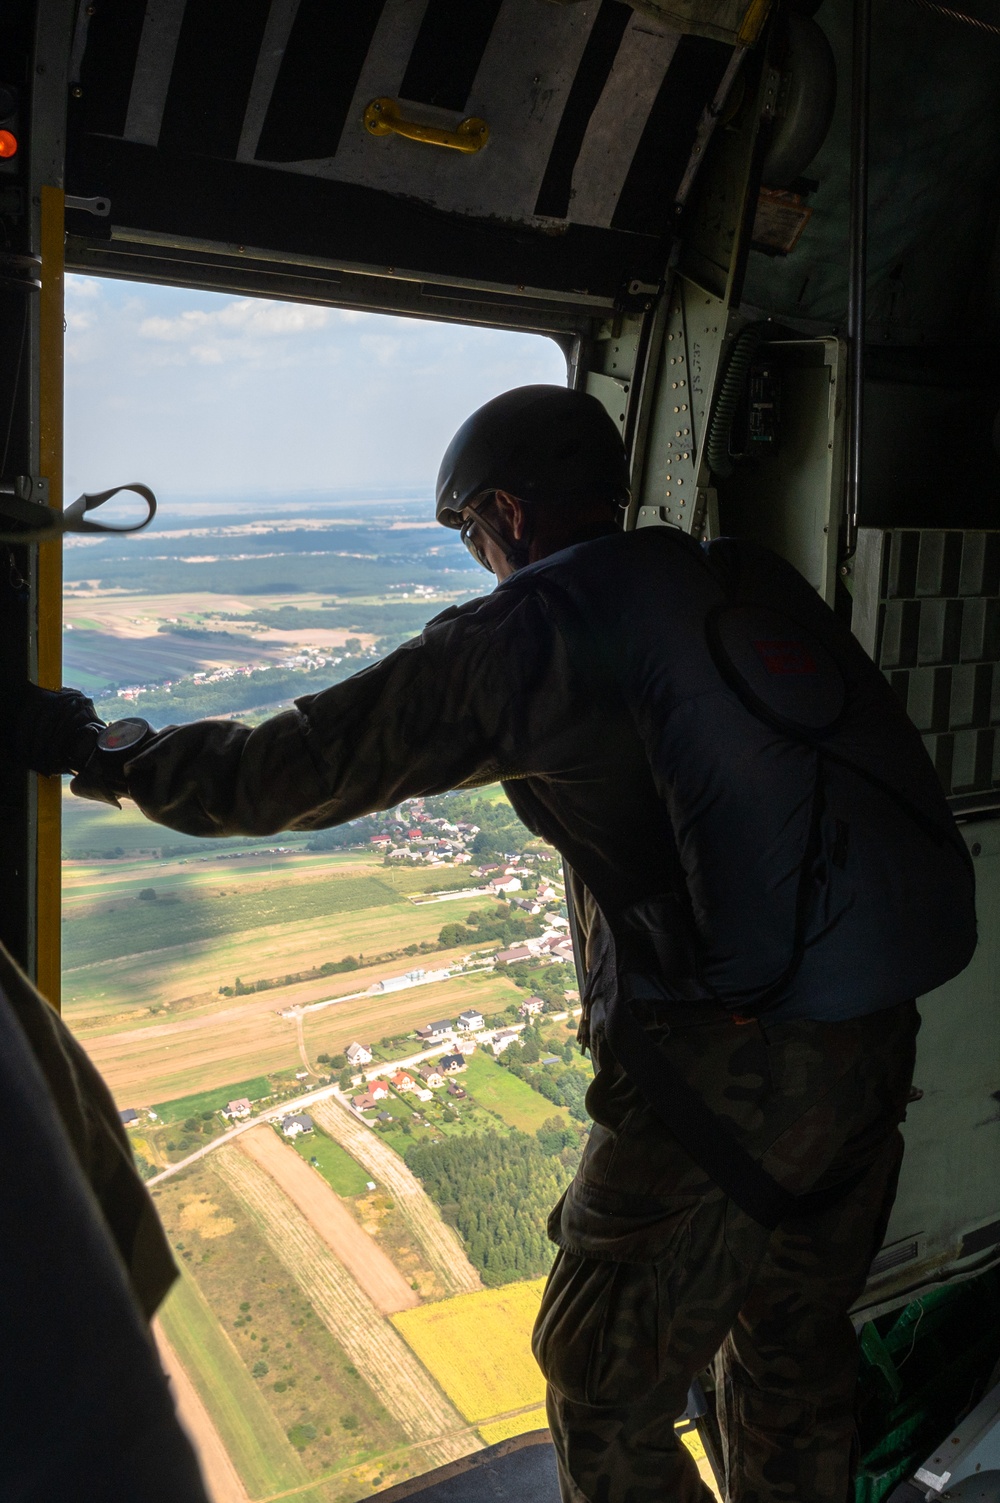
[{"x": 497, "y": 1190}]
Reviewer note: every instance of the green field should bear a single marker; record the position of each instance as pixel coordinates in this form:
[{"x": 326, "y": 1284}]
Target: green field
[
  {"x": 257, "y": 1445},
  {"x": 214, "y": 1100},
  {"x": 334, "y": 1163},
  {"x": 513, "y": 1101}
]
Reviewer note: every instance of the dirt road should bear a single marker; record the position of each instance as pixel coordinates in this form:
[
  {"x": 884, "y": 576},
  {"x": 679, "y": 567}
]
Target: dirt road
[
  {"x": 438, "y": 1242},
  {"x": 374, "y": 1347},
  {"x": 221, "y": 1478},
  {"x": 330, "y": 1218}
]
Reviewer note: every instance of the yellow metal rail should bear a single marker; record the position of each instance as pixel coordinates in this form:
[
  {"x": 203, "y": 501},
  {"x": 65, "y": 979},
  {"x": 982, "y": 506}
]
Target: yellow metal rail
[
  {"x": 383, "y": 117},
  {"x": 48, "y": 954}
]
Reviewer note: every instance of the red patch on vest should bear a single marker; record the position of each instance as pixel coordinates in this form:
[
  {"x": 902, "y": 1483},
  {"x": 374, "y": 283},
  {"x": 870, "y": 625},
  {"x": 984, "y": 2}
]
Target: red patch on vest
[{"x": 785, "y": 657}]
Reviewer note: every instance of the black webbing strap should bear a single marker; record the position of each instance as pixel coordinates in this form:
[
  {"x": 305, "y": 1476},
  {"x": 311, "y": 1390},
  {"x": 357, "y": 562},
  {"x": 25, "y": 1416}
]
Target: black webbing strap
[
  {"x": 703, "y": 1135},
  {"x": 38, "y": 523}
]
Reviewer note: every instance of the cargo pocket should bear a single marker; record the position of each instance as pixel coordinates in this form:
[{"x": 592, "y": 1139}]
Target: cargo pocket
[{"x": 603, "y": 1329}]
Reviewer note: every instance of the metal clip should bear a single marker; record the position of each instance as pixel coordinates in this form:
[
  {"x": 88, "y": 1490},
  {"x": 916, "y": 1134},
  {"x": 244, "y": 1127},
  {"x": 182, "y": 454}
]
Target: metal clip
[
  {"x": 383, "y": 118},
  {"x": 99, "y": 206}
]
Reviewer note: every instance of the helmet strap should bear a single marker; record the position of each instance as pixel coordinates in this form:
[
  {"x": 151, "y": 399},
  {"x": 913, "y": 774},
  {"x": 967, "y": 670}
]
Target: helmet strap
[{"x": 517, "y": 553}]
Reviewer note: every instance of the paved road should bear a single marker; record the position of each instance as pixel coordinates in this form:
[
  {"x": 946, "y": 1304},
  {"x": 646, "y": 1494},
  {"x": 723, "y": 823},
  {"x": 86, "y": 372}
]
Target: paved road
[{"x": 323, "y": 1093}]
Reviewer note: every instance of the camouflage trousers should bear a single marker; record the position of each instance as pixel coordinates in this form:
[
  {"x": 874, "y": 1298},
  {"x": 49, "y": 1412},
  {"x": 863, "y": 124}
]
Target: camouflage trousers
[{"x": 659, "y": 1273}]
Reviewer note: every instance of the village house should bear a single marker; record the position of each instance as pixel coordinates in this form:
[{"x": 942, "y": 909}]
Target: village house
[
  {"x": 129, "y": 1117},
  {"x": 505, "y": 1038},
  {"x": 546, "y": 893},
  {"x": 378, "y": 1090},
  {"x": 431, "y": 1076},
  {"x": 505, "y": 884},
  {"x": 469, "y": 1021},
  {"x": 518, "y": 952},
  {"x": 362, "y": 1103},
  {"x": 531, "y": 1007},
  {"x": 402, "y": 1081},
  {"x": 465, "y": 1046},
  {"x": 451, "y": 1064},
  {"x": 454, "y": 1089},
  {"x": 380, "y": 842},
  {"x": 432, "y": 1033},
  {"x": 239, "y": 1109},
  {"x": 423, "y": 1094},
  {"x": 297, "y": 1123},
  {"x": 358, "y": 1054}
]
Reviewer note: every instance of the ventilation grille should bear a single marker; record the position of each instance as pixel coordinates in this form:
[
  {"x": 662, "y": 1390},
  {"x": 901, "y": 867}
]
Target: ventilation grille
[
  {"x": 928, "y": 604},
  {"x": 892, "y": 1257}
]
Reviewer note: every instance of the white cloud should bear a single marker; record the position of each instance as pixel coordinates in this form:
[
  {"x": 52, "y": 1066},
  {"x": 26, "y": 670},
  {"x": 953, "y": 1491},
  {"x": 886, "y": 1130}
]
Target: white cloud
[
  {"x": 83, "y": 287},
  {"x": 245, "y": 316},
  {"x": 199, "y": 392}
]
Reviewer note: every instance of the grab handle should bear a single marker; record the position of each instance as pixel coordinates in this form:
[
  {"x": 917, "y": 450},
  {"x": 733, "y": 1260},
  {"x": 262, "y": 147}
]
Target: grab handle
[{"x": 383, "y": 117}]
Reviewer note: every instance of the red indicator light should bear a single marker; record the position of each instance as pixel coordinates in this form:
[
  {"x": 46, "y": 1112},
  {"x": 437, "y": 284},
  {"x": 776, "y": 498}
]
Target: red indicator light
[{"x": 8, "y": 144}]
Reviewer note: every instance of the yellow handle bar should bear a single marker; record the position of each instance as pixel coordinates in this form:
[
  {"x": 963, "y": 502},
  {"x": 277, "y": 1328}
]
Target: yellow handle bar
[{"x": 383, "y": 118}]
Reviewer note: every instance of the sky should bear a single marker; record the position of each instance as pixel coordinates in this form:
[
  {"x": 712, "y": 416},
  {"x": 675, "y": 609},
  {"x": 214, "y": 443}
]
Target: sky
[{"x": 205, "y": 394}]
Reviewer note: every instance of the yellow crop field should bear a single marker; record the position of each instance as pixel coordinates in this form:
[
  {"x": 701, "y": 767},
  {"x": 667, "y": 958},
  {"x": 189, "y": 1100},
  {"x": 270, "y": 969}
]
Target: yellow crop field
[
  {"x": 516, "y": 1424},
  {"x": 478, "y": 1347}
]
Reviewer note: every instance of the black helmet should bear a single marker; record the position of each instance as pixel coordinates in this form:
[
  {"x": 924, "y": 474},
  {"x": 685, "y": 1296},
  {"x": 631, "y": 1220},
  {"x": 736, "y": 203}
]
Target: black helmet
[{"x": 538, "y": 443}]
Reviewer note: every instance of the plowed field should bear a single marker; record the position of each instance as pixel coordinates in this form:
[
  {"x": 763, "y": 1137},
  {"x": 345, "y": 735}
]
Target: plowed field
[
  {"x": 327, "y": 1215},
  {"x": 439, "y": 1243}
]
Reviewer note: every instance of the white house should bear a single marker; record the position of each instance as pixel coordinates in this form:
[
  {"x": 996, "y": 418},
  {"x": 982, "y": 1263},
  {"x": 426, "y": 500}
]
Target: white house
[
  {"x": 431, "y": 1076},
  {"x": 378, "y": 1090},
  {"x": 358, "y": 1054},
  {"x": 469, "y": 1021},
  {"x": 433, "y": 1032},
  {"x": 505, "y": 1038},
  {"x": 297, "y": 1123},
  {"x": 239, "y": 1109},
  {"x": 531, "y": 1007},
  {"x": 505, "y": 884}
]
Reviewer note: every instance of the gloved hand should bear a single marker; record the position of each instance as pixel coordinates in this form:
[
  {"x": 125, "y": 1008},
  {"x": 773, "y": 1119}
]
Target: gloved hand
[{"x": 52, "y": 730}]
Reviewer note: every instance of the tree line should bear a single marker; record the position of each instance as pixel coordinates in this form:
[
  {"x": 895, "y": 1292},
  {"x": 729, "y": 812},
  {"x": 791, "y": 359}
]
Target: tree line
[{"x": 496, "y": 1190}]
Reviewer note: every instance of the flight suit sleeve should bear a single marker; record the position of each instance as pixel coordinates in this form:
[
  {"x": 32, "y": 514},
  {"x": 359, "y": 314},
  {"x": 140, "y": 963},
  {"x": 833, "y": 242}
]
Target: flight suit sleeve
[{"x": 429, "y": 717}]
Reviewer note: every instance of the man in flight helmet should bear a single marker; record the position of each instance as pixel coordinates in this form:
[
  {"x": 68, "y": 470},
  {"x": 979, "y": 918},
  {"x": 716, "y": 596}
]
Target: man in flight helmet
[{"x": 763, "y": 874}]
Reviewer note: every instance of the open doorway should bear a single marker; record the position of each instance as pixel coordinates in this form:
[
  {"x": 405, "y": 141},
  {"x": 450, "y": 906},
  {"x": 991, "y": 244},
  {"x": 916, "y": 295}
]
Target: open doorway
[{"x": 345, "y": 1058}]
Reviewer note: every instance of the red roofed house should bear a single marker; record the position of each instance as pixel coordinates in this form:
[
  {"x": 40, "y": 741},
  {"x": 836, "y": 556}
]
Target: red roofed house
[
  {"x": 402, "y": 1081},
  {"x": 239, "y": 1108}
]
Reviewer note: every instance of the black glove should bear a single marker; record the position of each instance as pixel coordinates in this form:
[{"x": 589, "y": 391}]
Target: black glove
[{"x": 52, "y": 730}]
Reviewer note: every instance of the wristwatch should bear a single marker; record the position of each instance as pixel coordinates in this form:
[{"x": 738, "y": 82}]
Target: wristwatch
[
  {"x": 124, "y": 737},
  {"x": 103, "y": 776}
]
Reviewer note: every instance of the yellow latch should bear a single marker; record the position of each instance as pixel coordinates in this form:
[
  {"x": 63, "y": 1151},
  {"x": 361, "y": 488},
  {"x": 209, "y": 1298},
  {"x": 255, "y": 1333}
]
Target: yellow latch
[{"x": 383, "y": 118}]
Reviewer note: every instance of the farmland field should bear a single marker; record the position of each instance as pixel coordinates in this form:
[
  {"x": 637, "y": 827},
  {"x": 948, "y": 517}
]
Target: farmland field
[
  {"x": 512, "y": 1100},
  {"x": 478, "y": 1348},
  {"x": 259, "y": 1448},
  {"x": 337, "y": 1167},
  {"x": 192, "y": 970},
  {"x": 329, "y": 1217}
]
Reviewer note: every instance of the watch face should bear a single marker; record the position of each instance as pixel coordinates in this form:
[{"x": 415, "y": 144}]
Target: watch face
[{"x": 120, "y": 735}]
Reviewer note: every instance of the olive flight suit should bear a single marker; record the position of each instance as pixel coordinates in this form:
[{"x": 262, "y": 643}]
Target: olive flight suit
[{"x": 586, "y": 684}]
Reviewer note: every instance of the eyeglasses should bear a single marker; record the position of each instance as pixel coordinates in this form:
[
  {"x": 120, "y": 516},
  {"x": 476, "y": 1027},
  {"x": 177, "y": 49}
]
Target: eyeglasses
[{"x": 468, "y": 527}]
